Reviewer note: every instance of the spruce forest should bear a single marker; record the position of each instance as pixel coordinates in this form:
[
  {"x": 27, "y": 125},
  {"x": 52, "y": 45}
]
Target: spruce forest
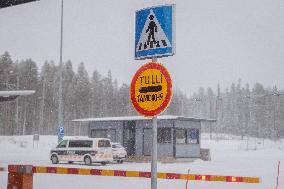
[{"x": 241, "y": 109}]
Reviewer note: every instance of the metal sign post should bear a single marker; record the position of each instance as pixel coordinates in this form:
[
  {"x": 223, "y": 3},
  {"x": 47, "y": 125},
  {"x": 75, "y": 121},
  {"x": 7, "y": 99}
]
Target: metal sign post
[
  {"x": 60, "y": 106},
  {"x": 150, "y": 93},
  {"x": 151, "y": 86},
  {"x": 154, "y": 154},
  {"x": 35, "y": 138},
  {"x": 154, "y": 148}
]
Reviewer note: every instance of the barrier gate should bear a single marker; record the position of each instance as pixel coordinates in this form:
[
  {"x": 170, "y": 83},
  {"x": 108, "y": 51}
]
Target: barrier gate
[{"x": 21, "y": 176}]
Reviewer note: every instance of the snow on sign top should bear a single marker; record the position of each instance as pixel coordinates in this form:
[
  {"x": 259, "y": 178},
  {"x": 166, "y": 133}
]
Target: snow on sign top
[{"x": 154, "y": 32}]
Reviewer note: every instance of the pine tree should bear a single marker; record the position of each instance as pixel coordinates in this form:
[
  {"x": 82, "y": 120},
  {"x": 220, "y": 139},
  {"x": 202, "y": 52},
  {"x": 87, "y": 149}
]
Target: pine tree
[
  {"x": 28, "y": 80},
  {"x": 96, "y": 94},
  {"x": 82, "y": 93},
  {"x": 48, "y": 98},
  {"x": 69, "y": 98},
  {"x": 6, "y": 110}
]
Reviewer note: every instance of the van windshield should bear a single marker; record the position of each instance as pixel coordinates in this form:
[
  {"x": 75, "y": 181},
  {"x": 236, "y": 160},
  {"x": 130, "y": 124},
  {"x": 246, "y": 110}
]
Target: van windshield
[
  {"x": 62, "y": 144},
  {"x": 80, "y": 143}
]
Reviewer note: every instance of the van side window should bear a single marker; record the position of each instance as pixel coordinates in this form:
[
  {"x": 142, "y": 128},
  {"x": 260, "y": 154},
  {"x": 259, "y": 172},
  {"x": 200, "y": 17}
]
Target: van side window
[
  {"x": 87, "y": 144},
  {"x": 80, "y": 143},
  {"x": 103, "y": 143},
  {"x": 62, "y": 144},
  {"x": 107, "y": 143}
]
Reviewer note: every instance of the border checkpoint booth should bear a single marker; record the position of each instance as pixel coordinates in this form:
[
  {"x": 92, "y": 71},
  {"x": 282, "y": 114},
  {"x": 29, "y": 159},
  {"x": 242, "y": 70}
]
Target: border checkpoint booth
[{"x": 178, "y": 136}]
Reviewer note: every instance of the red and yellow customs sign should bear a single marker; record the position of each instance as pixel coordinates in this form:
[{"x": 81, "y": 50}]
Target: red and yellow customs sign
[{"x": 151, "y": 89}]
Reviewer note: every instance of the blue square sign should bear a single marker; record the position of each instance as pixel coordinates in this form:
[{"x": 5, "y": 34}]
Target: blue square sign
[
  {"x": 60, "y": 133},
  {"x": 155, "y": 32}
]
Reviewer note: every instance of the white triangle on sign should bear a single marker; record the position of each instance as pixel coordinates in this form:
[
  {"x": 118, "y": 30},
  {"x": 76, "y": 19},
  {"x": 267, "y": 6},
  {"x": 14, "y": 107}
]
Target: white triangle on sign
[{"x": 152, "y": 35}]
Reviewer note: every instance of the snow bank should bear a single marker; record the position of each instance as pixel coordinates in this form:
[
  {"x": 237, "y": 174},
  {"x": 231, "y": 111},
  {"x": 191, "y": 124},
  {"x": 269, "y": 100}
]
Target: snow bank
[{"x": 230, "y": 156}]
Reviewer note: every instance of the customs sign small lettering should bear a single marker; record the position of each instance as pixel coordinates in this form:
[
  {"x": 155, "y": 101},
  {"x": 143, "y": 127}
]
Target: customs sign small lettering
[{"x": 151, "y": 89}]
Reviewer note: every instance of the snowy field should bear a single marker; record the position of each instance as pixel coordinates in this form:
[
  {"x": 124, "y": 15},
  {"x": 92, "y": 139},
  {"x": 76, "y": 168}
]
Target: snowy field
[{"x": 230, "y": 156}]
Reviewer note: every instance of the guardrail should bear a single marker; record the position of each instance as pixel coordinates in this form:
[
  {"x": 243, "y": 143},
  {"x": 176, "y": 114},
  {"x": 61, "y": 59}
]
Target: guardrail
[{"x": 21, "y": 175}]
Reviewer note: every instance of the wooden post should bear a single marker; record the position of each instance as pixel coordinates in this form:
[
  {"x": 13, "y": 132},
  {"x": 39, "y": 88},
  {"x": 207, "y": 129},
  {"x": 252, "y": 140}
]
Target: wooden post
[{"x": 20, "y": 177}]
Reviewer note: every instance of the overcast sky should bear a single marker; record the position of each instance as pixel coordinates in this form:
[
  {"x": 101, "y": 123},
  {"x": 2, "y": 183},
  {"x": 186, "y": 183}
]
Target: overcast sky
[{"x": 217, "y": 41}]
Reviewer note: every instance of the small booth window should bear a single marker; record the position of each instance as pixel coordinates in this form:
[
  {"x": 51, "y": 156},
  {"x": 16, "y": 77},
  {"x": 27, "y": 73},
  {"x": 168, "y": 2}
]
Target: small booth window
[
  {"x": 193, "y": 136},
  {"x": 99, "y": 133},
  {"x": 164, "y": 135},
  {"x": 181, "y": 136},
  {"x": 104, "y": 133}
]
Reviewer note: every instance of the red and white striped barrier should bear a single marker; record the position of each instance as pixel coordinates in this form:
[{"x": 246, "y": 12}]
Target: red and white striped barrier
[{"x": 142, "y": 174}]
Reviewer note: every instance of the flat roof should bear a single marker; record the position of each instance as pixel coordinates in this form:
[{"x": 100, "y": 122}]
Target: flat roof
[
  {"x": 81, "y": 138},
  {"x": 135, "y": 118}
]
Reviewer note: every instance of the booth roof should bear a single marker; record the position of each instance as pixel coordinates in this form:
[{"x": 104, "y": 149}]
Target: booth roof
[{"x": 135, "y": 118}]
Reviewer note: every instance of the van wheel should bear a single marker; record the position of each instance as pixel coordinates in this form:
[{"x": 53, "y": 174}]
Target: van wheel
[
  {"x": 119, "y": 161},
  {"x": 103, "y": 163},
  {"x": 54, "y": 159},
  {"x": 87, "y": 160}
]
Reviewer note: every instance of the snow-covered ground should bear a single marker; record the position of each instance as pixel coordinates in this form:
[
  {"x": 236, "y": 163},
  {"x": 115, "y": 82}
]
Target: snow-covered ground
[{"x": 230, "y": 156}]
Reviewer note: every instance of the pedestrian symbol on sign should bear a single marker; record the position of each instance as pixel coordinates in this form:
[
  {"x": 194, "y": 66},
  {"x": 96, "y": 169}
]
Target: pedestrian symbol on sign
[
  {"x": 152, "y": 35},
  {"x": 152, "y": 28}
]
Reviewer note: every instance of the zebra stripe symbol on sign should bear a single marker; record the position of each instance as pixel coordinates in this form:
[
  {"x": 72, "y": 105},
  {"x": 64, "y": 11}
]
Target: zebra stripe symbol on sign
[{"x": 153, "y": 35}]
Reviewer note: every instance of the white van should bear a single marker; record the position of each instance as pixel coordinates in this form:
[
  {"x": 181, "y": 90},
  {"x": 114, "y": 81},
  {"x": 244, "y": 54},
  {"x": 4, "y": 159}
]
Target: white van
[{"x": 88, "y": 150}]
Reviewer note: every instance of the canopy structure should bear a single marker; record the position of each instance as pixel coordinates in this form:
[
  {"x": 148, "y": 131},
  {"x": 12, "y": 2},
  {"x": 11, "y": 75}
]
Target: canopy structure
[
  {"x": 135, "y": 118},
  {"x": 12, "y": 95},
  {"x": 9, "y": 3}
]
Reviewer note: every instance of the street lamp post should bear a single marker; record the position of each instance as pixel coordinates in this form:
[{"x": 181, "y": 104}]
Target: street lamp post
[
  {"x": 60, "y": 111},
  {"x": 216, "y": 113},
  {"x": 17, "y": 108}
]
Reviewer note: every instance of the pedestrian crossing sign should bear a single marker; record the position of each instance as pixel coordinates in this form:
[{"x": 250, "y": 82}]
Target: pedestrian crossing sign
[{"x": 155, "y": 32}]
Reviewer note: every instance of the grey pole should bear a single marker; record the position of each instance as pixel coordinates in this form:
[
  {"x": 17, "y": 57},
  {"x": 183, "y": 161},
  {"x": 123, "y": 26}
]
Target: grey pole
[
  {"x": 17, "y": 108},
  {"x": 216, "y": 116},
  {"x": 154, "y": 155},
  {"x": 154, "y": 148},
  {"x": 60, "y": 116}
]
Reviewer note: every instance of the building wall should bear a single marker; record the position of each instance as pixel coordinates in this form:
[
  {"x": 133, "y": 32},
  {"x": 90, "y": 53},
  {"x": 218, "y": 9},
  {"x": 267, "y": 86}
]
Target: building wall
[
  {"x": 117, "y": 125},
  {"x": 143, "y": 136},
  {"x": 188, "y": 150},
  {"x": 140, "y": 126}
]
